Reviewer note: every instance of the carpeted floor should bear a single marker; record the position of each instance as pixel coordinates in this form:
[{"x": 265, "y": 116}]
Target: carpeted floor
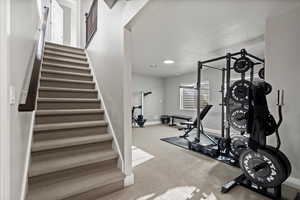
[{"x": 178, "y": 174}]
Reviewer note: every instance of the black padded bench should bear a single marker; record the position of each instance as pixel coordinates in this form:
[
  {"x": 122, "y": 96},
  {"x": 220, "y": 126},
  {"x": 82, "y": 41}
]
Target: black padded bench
[{"x": 181, "y": 117}]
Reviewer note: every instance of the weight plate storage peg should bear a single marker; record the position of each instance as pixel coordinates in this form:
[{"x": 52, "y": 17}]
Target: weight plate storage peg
[
  {"x": 261, "y": 73},
  {"x": 239, "y": 91},
  {"x": 268, "y": 88},
  {"x": 238, "y": 145},
  {"x": 238, "y": 119},
  {"x": 263, "y": 168},
  {"x": 242, "y": 65}
]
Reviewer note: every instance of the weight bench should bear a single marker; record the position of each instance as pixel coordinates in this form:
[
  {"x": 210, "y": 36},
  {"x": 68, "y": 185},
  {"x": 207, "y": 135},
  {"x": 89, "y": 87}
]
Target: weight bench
[
  {"x": 182, "y": 117},
  {"x": 189, "y": 126}
]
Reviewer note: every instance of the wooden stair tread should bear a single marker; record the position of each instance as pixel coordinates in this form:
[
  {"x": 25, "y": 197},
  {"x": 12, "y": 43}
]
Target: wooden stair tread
[
  {"x": 67, "y": 100},
  {"x": 65, "y": 73},
  {"x": 63, "y": 46},
  {"x": 64, "y": 54},
  {"x": 66, "y": 50},
  {"x": 66, "y": 80},
  {"x": 68, "y": 142},
  {"x": 67, "y": 89},
  {"x": 68, "y": 112},
  {"x": 69, "y": 125},
  {"x": 66, "y": 161},
  {"x": 65, "y": 66},
  {"x": 65, "y": 60},
  {"x": 76, "y": 185}
]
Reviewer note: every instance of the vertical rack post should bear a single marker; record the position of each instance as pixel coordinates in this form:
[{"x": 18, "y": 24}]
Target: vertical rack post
[
  {"x": 198, "y": 101},
  {"x": 223, "y": 103},
  {"x": 228, "y": 68},
  {"x": 142, "y": 103}
]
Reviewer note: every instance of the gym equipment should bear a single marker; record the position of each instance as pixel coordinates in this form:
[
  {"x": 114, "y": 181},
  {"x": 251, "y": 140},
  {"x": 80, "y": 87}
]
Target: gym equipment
[
  {"x": 238, "y": 119},
  {"x": 189, "y": 126},
  {"x": 261, "y": 73},
  {"x": 264, "y": 167},
  {"x": 268, "y": 88},
  {"x": 165, "y": 119},
  {"x": 239, "y": 91},
  {"x": 238, "y": 145},
  {"x": 139, "y": 119},
  {"x": 242, "y": 64},
  {"x": 233, "y": 96},
  {"x": 181, "y": 117},
  {"x": 297, "y": 196}
]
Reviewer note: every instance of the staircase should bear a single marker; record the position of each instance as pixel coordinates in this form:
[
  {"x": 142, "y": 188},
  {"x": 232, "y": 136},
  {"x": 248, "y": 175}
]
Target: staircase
[{"x": 72, "y": 155}]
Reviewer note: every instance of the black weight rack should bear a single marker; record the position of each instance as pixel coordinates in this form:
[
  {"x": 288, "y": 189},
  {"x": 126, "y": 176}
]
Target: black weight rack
[{"x": 222, "y": 146}]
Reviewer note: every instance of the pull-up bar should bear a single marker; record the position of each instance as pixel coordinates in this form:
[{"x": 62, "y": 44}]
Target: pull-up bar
[{"x": 242, "y": 52}]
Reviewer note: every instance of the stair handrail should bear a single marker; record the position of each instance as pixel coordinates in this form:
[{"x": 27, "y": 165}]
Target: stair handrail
[{"x": 29, "y": 104}]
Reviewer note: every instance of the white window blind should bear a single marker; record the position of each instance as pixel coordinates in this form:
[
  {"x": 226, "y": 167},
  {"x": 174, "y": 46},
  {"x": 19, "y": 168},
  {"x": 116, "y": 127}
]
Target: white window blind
[{"x": 188, "y": 96}]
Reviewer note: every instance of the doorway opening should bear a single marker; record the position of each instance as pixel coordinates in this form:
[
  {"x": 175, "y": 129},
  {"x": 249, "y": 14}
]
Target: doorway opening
[{"x": 64, "y": 23}]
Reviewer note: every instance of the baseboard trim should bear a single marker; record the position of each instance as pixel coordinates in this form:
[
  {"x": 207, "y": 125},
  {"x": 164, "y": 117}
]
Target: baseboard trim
[
  {"x": 129, "y": 180},
  {"x": 293, "y": 182},
  {"x": 152, "y": 123}
]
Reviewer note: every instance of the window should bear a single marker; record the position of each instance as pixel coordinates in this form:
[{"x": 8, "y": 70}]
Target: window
[{"x": 188, "y": 96}]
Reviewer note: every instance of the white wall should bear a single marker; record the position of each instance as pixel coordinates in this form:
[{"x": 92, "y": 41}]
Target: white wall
[
  {"x": 67, "y": 25},
  {"x": 283, "y": 71},
  {"x": 153, "y": 103},
  {"x": 107, "y": 53},
  {"x": 24, "y": 25},
  {"x": 4, "y": 101}
]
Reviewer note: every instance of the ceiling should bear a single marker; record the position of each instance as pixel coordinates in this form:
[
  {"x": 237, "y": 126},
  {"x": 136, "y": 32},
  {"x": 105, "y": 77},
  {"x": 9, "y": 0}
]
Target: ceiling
[{"x": 187, "y": 31}]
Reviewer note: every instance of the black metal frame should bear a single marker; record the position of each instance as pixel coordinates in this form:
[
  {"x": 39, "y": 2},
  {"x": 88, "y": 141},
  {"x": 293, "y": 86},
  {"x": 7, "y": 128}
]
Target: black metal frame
[
  {"x": 275, "y": 192},
  {"x": 226, "y": 77}
]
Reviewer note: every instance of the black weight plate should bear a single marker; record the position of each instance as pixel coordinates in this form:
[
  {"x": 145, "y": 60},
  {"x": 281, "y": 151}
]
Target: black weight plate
[
  {"x": 270, "y": 125},
  {"x": 238, "y": 145},
  {"x": 261, "y": 73},
  {"x": 271, "y": 174},
  {"x": 283, "y": 158},
  {"x": 268, "y": 88},
  {"x": 239, "y": 91},
  {"x": 242, "y": 65},
  {"x": 238, "y": 119}
]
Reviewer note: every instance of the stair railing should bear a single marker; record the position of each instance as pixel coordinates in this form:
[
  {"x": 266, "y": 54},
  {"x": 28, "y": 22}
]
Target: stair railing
[
  {"x": 30, "y": 101},
  {"x": 91, "y": 22}
]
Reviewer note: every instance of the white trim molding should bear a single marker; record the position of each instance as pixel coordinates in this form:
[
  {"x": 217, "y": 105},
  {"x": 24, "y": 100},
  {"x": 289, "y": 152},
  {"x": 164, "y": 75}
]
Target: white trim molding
[
  {"x": 129, "y": 180},
  {"x": 4, "y": 100},
  {"x": 152, "y": 123},
  {"x": 293, "y": 182}
]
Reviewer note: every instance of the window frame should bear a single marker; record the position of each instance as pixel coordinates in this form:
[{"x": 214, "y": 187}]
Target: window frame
[{"x": 191, "y": 86}]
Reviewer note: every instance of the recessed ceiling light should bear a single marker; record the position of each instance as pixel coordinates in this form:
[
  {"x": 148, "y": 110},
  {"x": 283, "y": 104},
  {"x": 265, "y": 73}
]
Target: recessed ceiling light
[{"x": 168, "y": 62}]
